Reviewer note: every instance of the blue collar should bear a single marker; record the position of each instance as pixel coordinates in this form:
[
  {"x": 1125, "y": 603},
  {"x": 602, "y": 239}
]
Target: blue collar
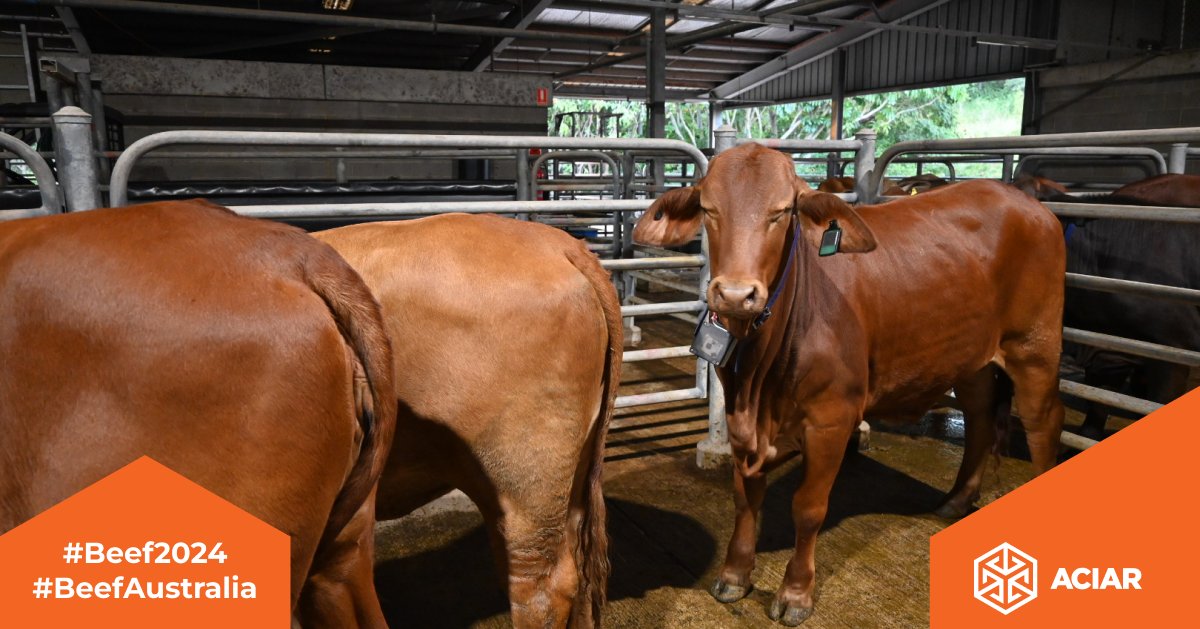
[{"x": 766, "y": 313}]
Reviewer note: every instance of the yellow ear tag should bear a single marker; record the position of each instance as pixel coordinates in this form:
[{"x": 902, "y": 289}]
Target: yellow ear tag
[{"x": 912, "y": 192}]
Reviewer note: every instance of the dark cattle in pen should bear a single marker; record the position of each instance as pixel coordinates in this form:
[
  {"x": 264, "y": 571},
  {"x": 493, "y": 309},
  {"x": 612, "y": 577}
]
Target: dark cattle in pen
[
  {"x": 1143, "y": 251},
  {"x": 957, "y": 288},
  {"x": 241, "y": 353},
  {"x": 507, "y": 393}
]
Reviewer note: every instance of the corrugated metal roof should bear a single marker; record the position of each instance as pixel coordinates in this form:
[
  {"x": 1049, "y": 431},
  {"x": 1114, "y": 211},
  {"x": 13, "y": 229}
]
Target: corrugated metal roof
[
  {"x": 893, "y": 59},
  {"x": 737, "y": 50}
]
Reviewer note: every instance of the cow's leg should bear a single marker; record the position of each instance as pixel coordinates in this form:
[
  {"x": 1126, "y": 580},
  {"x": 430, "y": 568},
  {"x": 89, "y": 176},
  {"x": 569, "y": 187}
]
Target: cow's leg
[
  {"x": 1163, "y": 382},
  {"x": 340, "y": 590},
  {"x": 1035, "y": 394},
  {"x": 543, "y": 577},
  {"x": 824, "y": 447},
  {"x": 977, "y": 395},
  {"x": 733, "y": 582},
  {"x": 1106, "y": 375}
]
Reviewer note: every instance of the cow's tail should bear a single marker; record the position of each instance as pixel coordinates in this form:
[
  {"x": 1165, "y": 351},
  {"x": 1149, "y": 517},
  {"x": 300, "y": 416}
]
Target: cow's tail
[
  {"x": 360, "y": 321},
  {"x": 592, "y": 557}
]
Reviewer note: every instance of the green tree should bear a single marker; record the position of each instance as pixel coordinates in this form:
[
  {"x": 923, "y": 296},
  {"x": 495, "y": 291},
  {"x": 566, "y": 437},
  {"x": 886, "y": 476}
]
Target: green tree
[{"x": 965, "y": 110}]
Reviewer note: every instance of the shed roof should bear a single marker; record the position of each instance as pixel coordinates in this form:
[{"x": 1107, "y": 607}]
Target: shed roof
[{"x": 737, "y": 51}]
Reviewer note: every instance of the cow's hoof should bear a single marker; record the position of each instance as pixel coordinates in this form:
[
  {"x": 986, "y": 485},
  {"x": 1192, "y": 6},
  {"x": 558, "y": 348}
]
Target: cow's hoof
[
  {"x": 787, "y": 615},
  {"x": 727, "y": 592},
  {"x": 952, "y": 511}
]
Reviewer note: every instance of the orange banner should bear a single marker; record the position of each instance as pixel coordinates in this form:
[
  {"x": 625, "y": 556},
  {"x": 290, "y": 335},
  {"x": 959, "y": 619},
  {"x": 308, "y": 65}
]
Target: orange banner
[
  {"x": 145, "y": 547},
  {"x": 1107, "y": 539}
]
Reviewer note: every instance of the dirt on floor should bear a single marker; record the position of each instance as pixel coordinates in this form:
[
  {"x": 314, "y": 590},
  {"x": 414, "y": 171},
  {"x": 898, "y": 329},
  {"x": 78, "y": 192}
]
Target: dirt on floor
[{"x": 669, "y": 522}]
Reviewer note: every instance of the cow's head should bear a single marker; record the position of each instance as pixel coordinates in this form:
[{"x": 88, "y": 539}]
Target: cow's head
[
  {"x": 1040, "y": 188},
  {"x": 749, "y": 202}
]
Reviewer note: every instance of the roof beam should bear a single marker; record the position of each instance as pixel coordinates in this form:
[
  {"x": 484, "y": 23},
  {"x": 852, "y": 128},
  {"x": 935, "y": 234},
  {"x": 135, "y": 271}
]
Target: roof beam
[
  {"x": 704, "y": 34},
  {"x": 68, "y": 19},
  {"x": 577, "y": 90},
  {"x": 325, "y": 19},
  {"x": 517, "y": 19},
  {"x": 269, "y": 42},
  {"x": 810, "y": 50}
]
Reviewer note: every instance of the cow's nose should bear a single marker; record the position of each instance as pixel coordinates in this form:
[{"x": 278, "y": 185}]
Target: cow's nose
[{"x": 737, "y": 298}]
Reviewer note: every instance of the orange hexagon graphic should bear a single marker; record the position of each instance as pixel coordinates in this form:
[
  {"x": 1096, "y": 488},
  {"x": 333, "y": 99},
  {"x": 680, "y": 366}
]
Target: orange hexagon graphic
[{"x": 145, "y": 547}]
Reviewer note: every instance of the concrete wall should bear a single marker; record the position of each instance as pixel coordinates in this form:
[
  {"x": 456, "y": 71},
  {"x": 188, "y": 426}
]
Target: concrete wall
[
  {"x": 1160, "y": 92},
  {"x": 157, "y": 94},
  {"x": 1104, "y": 80}
]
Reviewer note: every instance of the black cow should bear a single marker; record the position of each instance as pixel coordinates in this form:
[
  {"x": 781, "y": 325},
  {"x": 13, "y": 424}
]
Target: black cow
[{"x": 1143, "y": 251}]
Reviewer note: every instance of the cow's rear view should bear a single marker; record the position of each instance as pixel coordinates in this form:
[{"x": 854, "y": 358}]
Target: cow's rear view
[
  {"x": 506, "y": 393},
  {"x": 243, "y": 354}
]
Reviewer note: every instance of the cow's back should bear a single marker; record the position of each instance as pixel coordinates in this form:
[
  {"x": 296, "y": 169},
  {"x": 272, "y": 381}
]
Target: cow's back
[
  {"x": 183, "y": 332},
  {"x": 955, "y": 270},
  {"x": 506, "y": 342},
  {"x": 1171, "y": 189}
]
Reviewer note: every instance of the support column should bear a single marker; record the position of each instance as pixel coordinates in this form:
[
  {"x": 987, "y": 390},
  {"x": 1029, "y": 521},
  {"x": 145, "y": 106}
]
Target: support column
[
  {"x": 864, "y": 167},
  {"x": 75, "y": 157},
  {"x": 656, "y": 84},
  {"x": 714, "y": 450},
  {"x": 838, "y": 110},
  {"x": 725, "y": 138},
  {"x": 716, "y": 119},
  {"x": 100, "y": 128}
]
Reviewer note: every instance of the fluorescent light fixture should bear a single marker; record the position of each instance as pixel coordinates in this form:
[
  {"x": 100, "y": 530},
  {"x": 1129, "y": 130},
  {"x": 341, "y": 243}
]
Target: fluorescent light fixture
[
  {"x": 1015, "y": 42},
  {"x": 337, "y": 5}
]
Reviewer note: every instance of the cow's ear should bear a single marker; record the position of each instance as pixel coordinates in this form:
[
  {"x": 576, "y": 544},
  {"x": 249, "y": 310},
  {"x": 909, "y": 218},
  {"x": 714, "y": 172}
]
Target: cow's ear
[
  {"x": 672, "y": 220},
  {"x": 817, "y": 210}
]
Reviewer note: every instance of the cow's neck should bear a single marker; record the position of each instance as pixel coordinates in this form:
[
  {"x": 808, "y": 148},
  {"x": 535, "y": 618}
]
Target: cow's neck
[{"x": 761, "y": 362}]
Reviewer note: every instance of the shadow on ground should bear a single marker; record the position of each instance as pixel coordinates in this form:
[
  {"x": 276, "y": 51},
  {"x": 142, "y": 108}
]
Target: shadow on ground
[{"x": 454, "y": 584}]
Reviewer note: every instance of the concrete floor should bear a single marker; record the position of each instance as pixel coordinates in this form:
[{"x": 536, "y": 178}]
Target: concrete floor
[{"x": 669, "y": 523}]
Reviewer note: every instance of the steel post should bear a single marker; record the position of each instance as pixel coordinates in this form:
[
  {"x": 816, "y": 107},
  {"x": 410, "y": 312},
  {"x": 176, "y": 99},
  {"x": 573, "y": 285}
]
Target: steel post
[
  {"x": 864, "y": 166},
  {"x": 77, "y": 168},
  {"x": 725, "y": 138},
  {"x": 1177, "y": 158}
]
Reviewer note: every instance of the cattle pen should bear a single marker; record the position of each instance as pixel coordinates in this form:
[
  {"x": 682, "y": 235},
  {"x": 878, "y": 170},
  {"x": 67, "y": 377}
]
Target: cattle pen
[
  {"x": 626, "y": 256},
  {"x": 360, "y": 111},
  {"x": 658, "y": 428}
]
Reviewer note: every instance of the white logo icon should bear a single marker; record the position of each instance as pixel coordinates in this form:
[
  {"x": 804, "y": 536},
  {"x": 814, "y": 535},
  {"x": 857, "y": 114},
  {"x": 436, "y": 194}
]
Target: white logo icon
[{"x": 1005, "y": 578}]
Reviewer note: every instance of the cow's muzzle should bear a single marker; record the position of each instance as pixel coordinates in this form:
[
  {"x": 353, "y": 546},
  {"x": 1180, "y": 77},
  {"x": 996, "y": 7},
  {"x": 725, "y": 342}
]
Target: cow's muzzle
[{"x": 737, "y": 299}]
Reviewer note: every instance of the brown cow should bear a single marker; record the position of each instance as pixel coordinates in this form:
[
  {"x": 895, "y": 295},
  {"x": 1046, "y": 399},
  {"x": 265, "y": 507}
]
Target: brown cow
[
  {"x": 506, "y": 391},
  {"x": 837, "y": 184},
  {"x": 959, "y": 287},
  {"x": 241, "y": 353},
  {"x": 1040, "y": 188},
  {"x": 1170, "y": 190}
]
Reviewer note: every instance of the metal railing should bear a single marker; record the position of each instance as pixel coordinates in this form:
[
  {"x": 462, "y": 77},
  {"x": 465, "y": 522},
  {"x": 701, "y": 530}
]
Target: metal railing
[
  {"x": 118, "y": 187},
  {"x": 862, "y": 145},
  {"x": 1177, "y": 137},
  {"x": 46, "y": 183},
  {"x": 118, "y": 190},
  {"x": 869, "y": 173}
]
